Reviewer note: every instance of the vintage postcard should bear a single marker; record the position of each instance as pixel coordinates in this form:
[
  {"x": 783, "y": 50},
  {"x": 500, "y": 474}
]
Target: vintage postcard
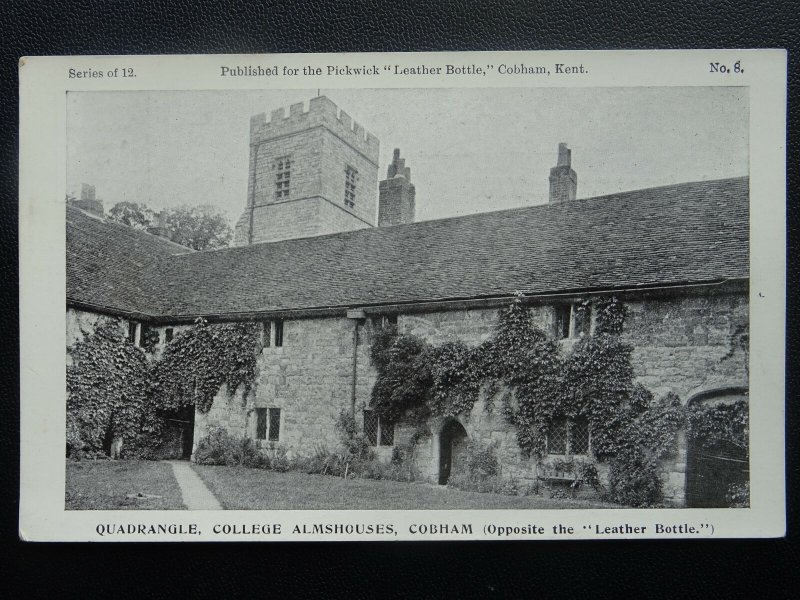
[{"x": 519, "y": 295}]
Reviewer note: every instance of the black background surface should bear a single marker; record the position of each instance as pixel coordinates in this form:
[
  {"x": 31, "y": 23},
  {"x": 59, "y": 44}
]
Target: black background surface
[{"x": 712, "y": 568}]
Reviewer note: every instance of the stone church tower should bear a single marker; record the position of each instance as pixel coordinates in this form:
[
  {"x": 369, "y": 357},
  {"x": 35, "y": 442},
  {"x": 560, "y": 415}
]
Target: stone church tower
[{"x": 316, "y": 172}]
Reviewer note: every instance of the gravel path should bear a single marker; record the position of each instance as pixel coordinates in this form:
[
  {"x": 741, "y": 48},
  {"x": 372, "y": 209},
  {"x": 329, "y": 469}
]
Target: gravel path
[{"x": 196, "y": 495}]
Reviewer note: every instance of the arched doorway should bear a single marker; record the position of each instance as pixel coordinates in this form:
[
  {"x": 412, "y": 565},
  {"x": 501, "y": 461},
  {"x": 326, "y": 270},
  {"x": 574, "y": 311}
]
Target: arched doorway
[
  {"x": 712, "y": 468},
  {"x": 452, "y": 440}
]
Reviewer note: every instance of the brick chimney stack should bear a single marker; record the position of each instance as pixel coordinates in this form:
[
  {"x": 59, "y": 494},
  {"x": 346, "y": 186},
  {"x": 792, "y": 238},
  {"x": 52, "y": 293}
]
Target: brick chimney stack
[
  {"x": 563, "y": 180},
  {"x": 396, "y": 194},
  {"x": 88, "y": 200}
]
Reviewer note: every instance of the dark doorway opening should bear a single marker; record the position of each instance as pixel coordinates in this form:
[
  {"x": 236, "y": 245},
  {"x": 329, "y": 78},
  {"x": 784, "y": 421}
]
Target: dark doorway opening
[
  {"x": 179, "y": 433},
  {"x": 187, "y": 431},
  {"x": 711, "y": 471},
  {"x": 452, "y": 440}
]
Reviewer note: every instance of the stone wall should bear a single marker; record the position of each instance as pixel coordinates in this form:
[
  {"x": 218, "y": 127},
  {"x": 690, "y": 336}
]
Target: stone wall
[
  {"x": 333, "y": 219},
  {"x": 309, "y": 378},
  {"x": 335, "y": 155},
  {"x": 80, "y": 324},
  {"x": 682, "y": 344}
]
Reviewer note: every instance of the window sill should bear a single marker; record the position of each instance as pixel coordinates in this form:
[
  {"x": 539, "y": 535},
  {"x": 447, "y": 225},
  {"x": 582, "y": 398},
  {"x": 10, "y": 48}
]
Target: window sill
[
  {"x": 267, "y": 444},
  {"x": 272, "y": 350}
]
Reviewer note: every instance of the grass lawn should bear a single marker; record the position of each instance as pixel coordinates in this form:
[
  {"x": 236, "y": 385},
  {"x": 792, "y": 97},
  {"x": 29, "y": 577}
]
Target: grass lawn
[
  {"x": 241, "y": 488},
  {"x": 109, "y": 485}
]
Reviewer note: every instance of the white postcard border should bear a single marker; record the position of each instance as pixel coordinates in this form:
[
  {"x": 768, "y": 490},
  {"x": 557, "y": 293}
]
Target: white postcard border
[{"x": 42, "y": 173}]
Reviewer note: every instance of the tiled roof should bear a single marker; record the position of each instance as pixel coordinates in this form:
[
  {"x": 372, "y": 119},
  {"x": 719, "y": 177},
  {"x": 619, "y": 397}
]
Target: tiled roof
[
  {"x": 113, "y": 266},
  {"x": 687, "y": 233}
]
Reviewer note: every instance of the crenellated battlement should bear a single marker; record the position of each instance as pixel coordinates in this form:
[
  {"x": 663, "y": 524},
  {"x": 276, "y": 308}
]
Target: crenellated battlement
[{"x": 321, "y": 112}]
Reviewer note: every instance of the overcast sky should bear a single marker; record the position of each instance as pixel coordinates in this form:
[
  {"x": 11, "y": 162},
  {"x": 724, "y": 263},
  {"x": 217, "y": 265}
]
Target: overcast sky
[{"x": 470, "y": 150}]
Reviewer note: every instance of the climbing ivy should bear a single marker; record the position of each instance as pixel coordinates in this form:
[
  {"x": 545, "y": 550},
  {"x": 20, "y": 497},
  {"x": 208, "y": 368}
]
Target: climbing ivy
[
  {"x": 521, "y": 357},
  {"x": 594, "y": 380},
  {"x": 106, "y": 393},
  {"x": 403, "y": 386},
  {"x": 538, "y": 384},
  {"x": 712, "y": 424},
  {"x": 455, "y": 377},
  {"x": 198, "y": 361},
  {"x": 114, "y": 390}
]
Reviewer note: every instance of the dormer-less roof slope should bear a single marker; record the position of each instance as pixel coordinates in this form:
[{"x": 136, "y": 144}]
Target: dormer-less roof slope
[
  {"x": 112, "y": 267},
  {"x": 695, "y": 232},
  {"x": 682, "y": 234}
]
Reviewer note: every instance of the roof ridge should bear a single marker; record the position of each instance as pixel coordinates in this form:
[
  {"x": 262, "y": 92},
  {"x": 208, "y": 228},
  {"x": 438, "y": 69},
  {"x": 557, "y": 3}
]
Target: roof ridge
[{"x": 544, "y": 206}]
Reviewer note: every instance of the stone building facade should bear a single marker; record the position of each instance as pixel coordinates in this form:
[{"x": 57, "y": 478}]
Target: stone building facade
[{"x": 676, "y": 256}]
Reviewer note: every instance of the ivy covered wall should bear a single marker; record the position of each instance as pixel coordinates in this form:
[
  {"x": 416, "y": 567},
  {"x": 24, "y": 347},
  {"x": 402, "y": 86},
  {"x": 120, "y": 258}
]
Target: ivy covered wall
[
  {"x": 677, "y": 345},
  {"x": 673, "y": 347}
]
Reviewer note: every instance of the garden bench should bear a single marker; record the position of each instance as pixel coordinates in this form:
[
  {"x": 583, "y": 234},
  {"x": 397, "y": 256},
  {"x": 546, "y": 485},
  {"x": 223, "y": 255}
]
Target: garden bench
[{"x": 568, "y": 480}]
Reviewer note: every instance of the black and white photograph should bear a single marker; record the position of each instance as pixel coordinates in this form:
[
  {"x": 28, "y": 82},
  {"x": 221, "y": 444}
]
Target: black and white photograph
[
  {"x": 408, "y": 299},
  {"x": 473, "y": 299}
]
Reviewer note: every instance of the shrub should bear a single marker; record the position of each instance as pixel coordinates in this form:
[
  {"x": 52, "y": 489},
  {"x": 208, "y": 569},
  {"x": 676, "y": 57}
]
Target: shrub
[
  {"x": 479, "y": 461},
  {"x": 634, "y": 479},
  {"x": 355, "y": 443},
  {"x": 279, "y": 460},
  {"x": 318, "y": 463},
  {"x": 221, "y": 448},
  {"x": 479, "y": 471}
]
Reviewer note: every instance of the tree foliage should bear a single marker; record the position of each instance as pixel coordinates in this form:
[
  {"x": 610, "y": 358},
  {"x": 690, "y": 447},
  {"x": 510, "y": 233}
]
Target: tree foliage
[
  {"x": 198, "y": 227},
  {"x": 132, "y": 214}
]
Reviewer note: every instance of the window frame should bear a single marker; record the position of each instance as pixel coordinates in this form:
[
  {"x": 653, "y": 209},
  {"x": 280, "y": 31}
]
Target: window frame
[
  {"x": 569, "y": 422},
  {"x": 563, "y": 321},
  {"x": 380, "y": 426},
  {"x": 272, "y": 412},
  {"x": 135, "y": 332},
  {"x": 567, "y": 325},
  {"x": 272, "y": 333},
  {"x": 143, "y": 330},
  {"x": 169, "y": 334},
  {"x": 282, "y": 178},
  {"x": 350, "y": 186},
  {"x": 261, "y": 423}
]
